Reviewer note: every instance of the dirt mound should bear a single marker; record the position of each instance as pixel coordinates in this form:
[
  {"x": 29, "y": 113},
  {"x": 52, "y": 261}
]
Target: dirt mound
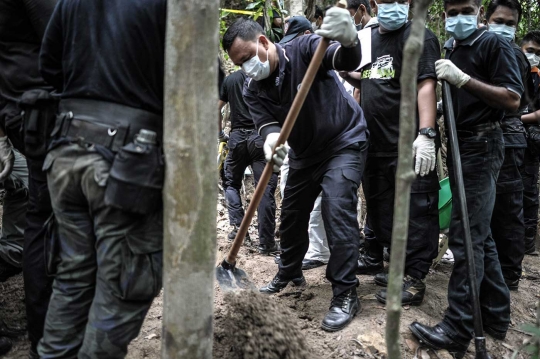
[{"x": 256, "y": 327}]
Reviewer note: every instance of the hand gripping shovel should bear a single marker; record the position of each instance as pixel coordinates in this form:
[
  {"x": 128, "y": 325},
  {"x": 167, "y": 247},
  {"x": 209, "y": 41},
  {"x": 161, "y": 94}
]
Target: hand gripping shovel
[
  {"x": 479, "y": 339},
  {"x": 229, "y": 276}
]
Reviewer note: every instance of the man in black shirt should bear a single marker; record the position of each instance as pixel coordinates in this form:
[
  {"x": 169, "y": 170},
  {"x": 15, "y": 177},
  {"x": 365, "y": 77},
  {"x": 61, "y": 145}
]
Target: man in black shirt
[
  {"x": 507, "y": 224},
  {"x": 327, "y": 147},
  {"x": 245, "y": 149},
  {"x": 22, "y": 26},
  {"x": 106, "y": 60},
  {"x": 483, "y": 70},
  {"x": 531, "y": 118},
  {"x": 380, "y": 89}
]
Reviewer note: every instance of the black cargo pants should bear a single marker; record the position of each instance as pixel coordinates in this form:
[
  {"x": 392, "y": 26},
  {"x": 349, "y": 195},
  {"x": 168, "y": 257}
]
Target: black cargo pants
[
  {"x": 423, "y": 237},
  {"x": 338, "y": 177}
]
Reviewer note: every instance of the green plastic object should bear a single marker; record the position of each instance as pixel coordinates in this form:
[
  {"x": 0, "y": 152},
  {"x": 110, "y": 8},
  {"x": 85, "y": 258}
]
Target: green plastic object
[{"x": 445, "y": 204}]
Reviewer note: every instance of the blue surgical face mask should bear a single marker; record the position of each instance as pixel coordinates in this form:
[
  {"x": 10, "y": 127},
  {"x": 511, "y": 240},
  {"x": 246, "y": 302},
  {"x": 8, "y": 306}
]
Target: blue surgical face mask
[
  {"x": 461, "y": 26},
  {"x": 255, "y": 68},
  {"x": 393, "y": 16},
  {"x": 508, "y": 32}
]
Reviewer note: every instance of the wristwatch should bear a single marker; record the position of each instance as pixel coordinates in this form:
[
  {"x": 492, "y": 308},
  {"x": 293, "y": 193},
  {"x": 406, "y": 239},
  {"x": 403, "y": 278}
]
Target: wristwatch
[{"x": 428, "y": 131}]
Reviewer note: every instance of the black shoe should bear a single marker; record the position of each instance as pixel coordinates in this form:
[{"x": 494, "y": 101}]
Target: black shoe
[
  {"x": 369, "y": 265},
  {"x": 10, "y": 332},
  {"x": 512, "y": 284},
  {"x": 308, "y": 264},
  {"x": 277, "y": 284},
  {"x": 436, "y": 338},
  {"x": 232, "y": 235},
  {"x": 381, "y": 279},
  {"x": 412, "y": 293},
  {"x": 7, "y": 270},
  {"x": 530, "y": 241},
  {"x": 268, "y": 248},
  {"x": 5, "y": 345},
  {"x": 495, "y": 333},
  {"x": 32, "y": 354},
  {"x": 342, "y": 310}
]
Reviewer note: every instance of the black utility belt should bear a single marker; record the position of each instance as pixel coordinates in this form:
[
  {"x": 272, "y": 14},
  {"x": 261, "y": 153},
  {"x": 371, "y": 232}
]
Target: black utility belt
[
  {"x": 471, "y": 131},
  {"x": 244, "y": 130},
  {"x": 103, "y": 123},
  {"x": 137, "y": 171}
]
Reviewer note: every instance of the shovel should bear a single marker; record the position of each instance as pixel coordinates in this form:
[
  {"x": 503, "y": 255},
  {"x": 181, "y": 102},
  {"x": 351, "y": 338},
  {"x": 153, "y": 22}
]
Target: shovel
[
  {"x": 479, "y": 339},
  {"x": 228, "y": 275}
]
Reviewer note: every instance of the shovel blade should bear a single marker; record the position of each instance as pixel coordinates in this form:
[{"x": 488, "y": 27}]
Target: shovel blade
[{"x": 231, "y": 278}]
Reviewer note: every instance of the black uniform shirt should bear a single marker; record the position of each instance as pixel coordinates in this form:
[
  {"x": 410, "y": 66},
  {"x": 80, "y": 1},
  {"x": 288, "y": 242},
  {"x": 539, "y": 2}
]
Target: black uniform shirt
[
  {"x": 330, "y": 119},
  {"x": 380, "y": 84},
  {"x": 22, "y": 25},
  {"x": 489, "y": 58},
  {"x": 109, "y": 50},
  {"x": 231, "y": 92}
]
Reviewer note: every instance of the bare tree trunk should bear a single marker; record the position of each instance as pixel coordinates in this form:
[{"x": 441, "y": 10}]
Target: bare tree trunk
[
  {"x": 404, "y": 176},
  {"x": 296, "y": 7},
  {"x": 190, "y": 182},
  {"x": 267, "y": 19},
  {"x": 310, "y": 9}
]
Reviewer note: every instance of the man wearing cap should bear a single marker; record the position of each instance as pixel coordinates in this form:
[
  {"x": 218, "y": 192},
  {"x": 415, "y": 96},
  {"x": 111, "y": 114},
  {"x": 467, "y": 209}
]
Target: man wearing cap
[{"x": 328, "y": 146}]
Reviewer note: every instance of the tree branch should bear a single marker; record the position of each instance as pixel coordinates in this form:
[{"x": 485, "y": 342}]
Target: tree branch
[{"x": 404, "y": 176}]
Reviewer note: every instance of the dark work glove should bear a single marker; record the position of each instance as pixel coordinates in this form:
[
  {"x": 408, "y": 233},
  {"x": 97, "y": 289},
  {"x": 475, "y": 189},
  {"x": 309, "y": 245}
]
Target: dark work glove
[{"x": 223, "y": 137}]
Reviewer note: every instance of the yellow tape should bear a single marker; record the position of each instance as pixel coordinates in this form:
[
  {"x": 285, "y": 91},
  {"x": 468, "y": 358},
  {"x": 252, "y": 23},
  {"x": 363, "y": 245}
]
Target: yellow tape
[{"x": 244, "y": 12}]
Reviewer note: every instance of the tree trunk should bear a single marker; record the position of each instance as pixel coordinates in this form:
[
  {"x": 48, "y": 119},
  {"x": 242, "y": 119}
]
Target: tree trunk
[
  {"x": 190, "y": 193},
  {"x": 296, "y": 7},
  {"x": 404, "y": 176},
  {"x": 310, "y": 9},
  {"x": 267, "y": 12}
]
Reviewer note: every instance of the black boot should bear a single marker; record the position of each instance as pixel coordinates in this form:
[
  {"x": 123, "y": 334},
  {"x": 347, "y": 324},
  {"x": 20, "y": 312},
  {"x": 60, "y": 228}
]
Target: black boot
[
  {"x": 308, "y": 264},
  {"x": 7, "y": 270},
  {"x": 277, "y": 284},
  {"x": 530, "y": 241},
  {"x": 268, "y": 248},
  {"x": 10, "y": 332},
  {"x": 436, "y": 338},
  {"x": 369, "y": 265},
  {"x": 412, "y": 293},
  {"x": 512, "y": 285},
  {"x": 343, "y": 308},
  {"x": 381, "y": 279},
  {"x": 5, "y": 345},
  {"x": 232, "y": 235},
  {"x": 494, "y": 333}
]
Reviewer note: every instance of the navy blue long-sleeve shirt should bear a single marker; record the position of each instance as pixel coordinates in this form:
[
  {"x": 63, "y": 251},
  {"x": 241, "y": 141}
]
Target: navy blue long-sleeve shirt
[
  {"x": 330, "y": 119},
  {"x": 108, "y": 50},
  {"x": 22, "y": 25}
]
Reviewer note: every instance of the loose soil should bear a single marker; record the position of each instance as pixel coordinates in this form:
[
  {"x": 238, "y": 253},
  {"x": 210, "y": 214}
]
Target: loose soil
[{"x": 251, "y": 326}]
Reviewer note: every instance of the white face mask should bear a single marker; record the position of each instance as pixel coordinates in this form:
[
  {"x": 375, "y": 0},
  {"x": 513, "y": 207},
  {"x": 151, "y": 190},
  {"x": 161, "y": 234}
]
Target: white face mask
[
  {"x": 533, "y": 59},
  {"x": 508, "y": 32},
  {"x": 255, "y": 68},
  {"x": 314, "y": 26}
]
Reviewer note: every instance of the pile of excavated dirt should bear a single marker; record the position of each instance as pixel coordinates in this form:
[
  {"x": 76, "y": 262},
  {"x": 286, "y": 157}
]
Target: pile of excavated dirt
[{"x": 256, "y": 327}]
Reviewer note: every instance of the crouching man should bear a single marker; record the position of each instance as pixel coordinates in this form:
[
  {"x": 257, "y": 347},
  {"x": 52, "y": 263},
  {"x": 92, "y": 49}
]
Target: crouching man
[{"x": 328, "y": 146}]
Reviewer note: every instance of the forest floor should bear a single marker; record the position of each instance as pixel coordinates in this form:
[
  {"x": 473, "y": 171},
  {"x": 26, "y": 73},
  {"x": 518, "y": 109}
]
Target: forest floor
[{"x": 304, "y": 310}]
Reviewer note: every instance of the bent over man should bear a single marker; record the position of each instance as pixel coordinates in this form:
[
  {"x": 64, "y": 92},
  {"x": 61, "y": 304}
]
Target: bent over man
[
  {"x": 106, "y": 59},
  {"x": 327, "y": 147}
]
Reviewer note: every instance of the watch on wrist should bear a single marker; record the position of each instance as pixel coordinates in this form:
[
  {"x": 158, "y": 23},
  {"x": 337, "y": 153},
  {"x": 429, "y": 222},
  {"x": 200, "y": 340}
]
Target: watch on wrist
[{"x": 428, "y": 131}]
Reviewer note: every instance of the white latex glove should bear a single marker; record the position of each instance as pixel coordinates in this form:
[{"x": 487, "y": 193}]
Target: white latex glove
[
  {"x": 7, "y": 158},
  {"x": 424, "y": 150},
  {"x": 446, "y": 70},
  {"x": 280, "y": 154},
  {"x": 338, "y": 26}
]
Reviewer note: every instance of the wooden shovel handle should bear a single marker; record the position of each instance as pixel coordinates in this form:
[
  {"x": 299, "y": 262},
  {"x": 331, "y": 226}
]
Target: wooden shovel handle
[{"x": 288, "y": 125}]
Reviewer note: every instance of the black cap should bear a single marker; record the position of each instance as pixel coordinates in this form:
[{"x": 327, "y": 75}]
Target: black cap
[{"x": 297, "y": 25}]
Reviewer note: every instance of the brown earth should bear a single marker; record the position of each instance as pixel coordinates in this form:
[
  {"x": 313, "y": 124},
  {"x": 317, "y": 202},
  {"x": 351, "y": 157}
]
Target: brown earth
[{"x": 303, "y": 310}]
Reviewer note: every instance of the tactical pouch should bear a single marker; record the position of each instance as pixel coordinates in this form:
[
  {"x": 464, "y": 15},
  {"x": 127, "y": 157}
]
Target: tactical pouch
[
  {"x": 39, "y": 110},
  {"x": 533, "y": 138},
  {"x": 136, "y": 179}
]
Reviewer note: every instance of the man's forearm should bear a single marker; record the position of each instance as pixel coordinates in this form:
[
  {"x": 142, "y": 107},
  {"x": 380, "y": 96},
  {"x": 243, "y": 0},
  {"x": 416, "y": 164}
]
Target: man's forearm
[
  {"x": 221, "y": 104},
  {"x": 353, "y": 78},
  {"x": 532, "y": 118},
  {"x": 493, "y": 96},
  {"x": 427, "y": 103},
  {"x": 347, "y": 58}
]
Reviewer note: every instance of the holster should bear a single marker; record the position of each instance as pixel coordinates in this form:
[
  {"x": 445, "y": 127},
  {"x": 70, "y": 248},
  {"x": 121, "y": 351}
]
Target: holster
[
  {"x": 137, "y": 172},
  {"x": 38, "y": 111}
]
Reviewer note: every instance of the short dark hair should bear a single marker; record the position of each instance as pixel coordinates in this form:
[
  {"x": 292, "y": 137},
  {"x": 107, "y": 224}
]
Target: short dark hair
[
  {"x": 355, "y": 4},
  {"x": 318, "y": 12},
  {"x": 533, "y": 36},
  {"x": 246, "y": 29},
  {"x": 475, "y": 2},
  {"x": 513, "y": 5}
]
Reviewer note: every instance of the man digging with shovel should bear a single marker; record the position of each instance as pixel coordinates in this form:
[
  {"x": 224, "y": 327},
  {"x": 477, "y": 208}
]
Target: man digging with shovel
[{"x": 328, "y": 146}]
